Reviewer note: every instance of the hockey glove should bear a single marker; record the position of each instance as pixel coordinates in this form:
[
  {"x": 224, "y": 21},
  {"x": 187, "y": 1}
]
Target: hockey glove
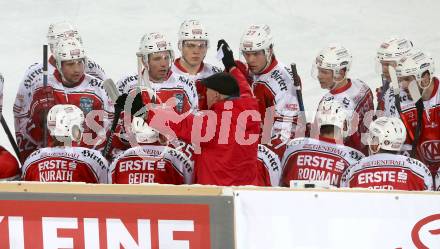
[{"x": 228, "y": 57}]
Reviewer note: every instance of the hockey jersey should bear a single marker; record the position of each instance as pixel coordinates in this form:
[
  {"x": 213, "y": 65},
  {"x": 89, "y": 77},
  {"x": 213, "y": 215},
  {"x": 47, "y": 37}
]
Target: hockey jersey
[
  {"x": 205, "y": 71},
  {"x": 177, "y": 86},
  {"x": 269, "y": 166},
  {"x": 274, "y": 87},
  {"x": 357, "y": 98},
  {"x": 152, "y": 164},
  {"x": 317, "y": 160},
  {"x": 428, "y": 146},
  {"x": 66, "y": 164},
  {"x": 388, "y": 171},
  {"x": 89, "y": 95}
]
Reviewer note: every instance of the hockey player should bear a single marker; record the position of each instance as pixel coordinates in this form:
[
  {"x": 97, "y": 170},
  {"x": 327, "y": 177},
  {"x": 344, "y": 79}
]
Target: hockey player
[
  {"x": 388, "y": 54},
  {"x": 272, "y": 82},
  {"x": 331, "y": 69},
  {"x": 326, "y": 158},
  {"x": 155, "y": 57},
  {"x": 384, "y": 169},
  {"x": 193, "y": 44},
  {"x": 422, "y": 122},
  {"x": 67, "y": 84},
  {"x": 57, "y": 31},
  {"x": 151, "y": 161},
  {"x": 64, "y": 162}
]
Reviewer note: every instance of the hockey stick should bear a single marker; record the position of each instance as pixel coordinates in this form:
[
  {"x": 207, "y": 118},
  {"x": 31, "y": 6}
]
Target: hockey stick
[
  {"x": 10, "y": 137},
  {"x": 45, "y": 138},
  {"x": 417, "y": 98},
  {"x": 384, "y": 88},
  {"x": 298, "y": 86},
  {"x": 113, "y": 93}
]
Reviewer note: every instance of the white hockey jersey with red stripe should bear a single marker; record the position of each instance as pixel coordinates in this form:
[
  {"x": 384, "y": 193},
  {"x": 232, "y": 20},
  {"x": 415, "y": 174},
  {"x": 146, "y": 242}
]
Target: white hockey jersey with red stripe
[
  {"x": 89, "y": 95},
  {"x": 357, "y": 98},
  {"x": 66, "y": 164},
  {"x": 428, "y": 146},
  {"x": 388, "y": 171},
  {"x": 177, "y": 86},
  {"x": 152, "y": 164},
  {"x": 317, "y": 160},
  {"x": 269, "y": 166},
  {"x": 274, "y": 87}
]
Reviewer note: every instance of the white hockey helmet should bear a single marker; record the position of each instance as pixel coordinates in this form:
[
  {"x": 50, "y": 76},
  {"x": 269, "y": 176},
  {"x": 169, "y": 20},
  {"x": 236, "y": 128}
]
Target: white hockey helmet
[
  {"x": 153, "y": 43},
  {"x": 61, "y": 30},
  {"x": 334, "y": 57},
  {"x": 143, "y": 132},
  {"x": 256, "y": 38},
  {"x": 69, "y": 49},
  {"x": 416, "y": 64},
  {"x": 332, "y": 112},
  {"x": 192, "y": 30},
  {"x": 66, "y": 121},
  {"x": 388, "y": 132},
  {"x": 394, "y": 49}
]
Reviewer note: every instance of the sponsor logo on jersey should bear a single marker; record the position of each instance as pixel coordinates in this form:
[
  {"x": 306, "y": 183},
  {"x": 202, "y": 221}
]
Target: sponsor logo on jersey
[
  {"x": 179, "y": 102},
  {"x": 86, "y": 104},
  {"x": 276, "y": 75},
  {"x": 382, "y": 176},
  {"x": 291, "y": 107},
  {"x": 431, "y": 150}
]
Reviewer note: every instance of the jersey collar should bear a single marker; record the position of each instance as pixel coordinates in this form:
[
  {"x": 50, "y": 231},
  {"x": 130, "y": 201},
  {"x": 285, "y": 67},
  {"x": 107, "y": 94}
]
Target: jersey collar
[
  {"x": 328, "y": 140},
  {"x": 434, "y": 91},
  {"x": 273, "y": 64},
  {"x": 342, "y": 88},
  {"x": 52, "y": 61},
  {"x": 59, "y": 78},
  {"x": 181, "y": 68}
]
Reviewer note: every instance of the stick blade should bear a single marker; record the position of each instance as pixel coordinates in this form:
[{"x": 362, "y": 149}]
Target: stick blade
[
  {"x": 413, "y": 89},
  {"x": 111, "y": 89}
]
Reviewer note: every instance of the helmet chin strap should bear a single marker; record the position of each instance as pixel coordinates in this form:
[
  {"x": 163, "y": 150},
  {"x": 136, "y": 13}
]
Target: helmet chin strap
[
  {"x": 268, "y": 61},
  {"x": 424, "y": 89},
  {"x": 371, "y": 151},
  {"x": 335, "y": 83}
]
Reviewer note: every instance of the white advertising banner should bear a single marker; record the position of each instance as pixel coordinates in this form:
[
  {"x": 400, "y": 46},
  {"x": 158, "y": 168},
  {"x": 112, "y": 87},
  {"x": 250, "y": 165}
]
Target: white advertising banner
[{"x": 336, "y": 220}]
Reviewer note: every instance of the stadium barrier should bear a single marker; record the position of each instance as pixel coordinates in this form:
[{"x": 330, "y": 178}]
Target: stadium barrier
[{"x": 75, "y": 215}]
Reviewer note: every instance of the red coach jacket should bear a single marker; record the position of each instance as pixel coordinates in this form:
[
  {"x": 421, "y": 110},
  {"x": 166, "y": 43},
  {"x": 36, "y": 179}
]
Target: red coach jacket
[{"x": 229, "y": 158}]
